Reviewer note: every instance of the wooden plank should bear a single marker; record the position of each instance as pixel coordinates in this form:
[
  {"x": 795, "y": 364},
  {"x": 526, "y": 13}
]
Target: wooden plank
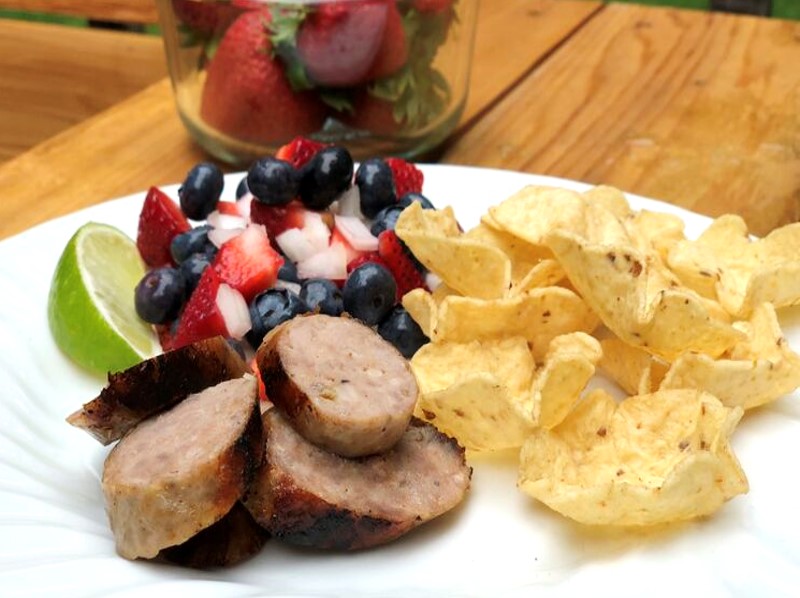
[
  {"x": 123, "y": 11},
  {"x": 141, "y": 142},
  {"x": 698, "y": 109},
  {"x": 52, "y": 77},
  {"x": 511, "y": 38},
  {"x": 108, "y": 155}
]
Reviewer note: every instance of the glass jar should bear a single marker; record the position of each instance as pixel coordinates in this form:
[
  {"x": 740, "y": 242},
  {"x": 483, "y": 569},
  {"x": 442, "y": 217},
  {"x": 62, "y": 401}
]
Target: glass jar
[{"x": 384, "y": 77}]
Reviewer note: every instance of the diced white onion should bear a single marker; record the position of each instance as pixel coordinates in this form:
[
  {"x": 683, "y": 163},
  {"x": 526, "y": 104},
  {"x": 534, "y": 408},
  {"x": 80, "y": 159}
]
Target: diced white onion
[
  {"x": 243, "y": 205},
  {"x": 233, "y": 308},
  {"x": 289, "y": 286},
  {"x": 315, "y": 230},
  {"x": 295, "y": 244},
  {"x": 349, "y": 203},
  {"x": 330, "y": 263},
  {"x": 356, "y": 233},
  {"x": 219, "y": 236},
  {"x": 225, "y": 221},
  {"x": 432, "y": 281}
]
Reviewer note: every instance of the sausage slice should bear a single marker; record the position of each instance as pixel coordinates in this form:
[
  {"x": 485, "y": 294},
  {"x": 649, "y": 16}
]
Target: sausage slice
[
  {"x": 181, "y": 471},
  {"x": 310, "y": 497},
  {"x": 231, "y": 540},
  {"x": 340, "y": 384},
  {"x": 157, "y": 384}
]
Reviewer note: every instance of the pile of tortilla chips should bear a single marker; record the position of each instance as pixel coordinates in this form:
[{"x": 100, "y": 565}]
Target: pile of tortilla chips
[{"x": 553, "y": 284}]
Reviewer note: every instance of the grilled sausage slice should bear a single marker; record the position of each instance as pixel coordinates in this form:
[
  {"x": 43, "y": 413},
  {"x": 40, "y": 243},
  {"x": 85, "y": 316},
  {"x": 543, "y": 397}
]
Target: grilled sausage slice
[
  {"x": 231, "y": 540},
  {"x": 310, "y": 497},
  {"x": 339, "y": 383},
  {"x": 181, "y": 471},
  {"x": 155, "y": 385}
]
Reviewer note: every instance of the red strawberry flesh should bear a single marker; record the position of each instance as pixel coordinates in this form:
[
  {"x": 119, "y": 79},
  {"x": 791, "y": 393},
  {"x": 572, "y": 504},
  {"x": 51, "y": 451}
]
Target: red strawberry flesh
[
  {"x": 299, "y": 151},
  {"x": 160, "y": 221},
  {"x": 201, "y": 317},
  {"x": 248, "y": 263},
  {"x": 407, "y": 177},
  {"x": 393, "y": 253}
]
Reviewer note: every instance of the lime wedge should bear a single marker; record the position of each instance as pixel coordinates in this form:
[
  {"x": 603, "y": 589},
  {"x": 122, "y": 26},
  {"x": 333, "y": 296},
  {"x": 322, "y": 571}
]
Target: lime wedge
[{"x": 90, "y": 307}]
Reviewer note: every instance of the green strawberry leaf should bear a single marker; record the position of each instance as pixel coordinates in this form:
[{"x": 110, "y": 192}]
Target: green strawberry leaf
[
  {"x": 418, "y": 92},
  {"x": 338, "y": 99},
  {"x": 286, "y": 21}
]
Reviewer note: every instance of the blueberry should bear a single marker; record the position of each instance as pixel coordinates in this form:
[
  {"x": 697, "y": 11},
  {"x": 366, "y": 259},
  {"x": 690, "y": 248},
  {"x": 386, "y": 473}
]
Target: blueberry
[
  {"x": 190, "y": 242},
  {"x": 325, "y": 177},
  {"x": 288, "y": 271},
  {"x": 270, "y": 308},
  {"x": 369, "y": 293},
  {"x": 410, "y": 198},
  {"x": 323, "y": 295},
  {"x": 386, "y": 219},
  {"x": 159, "y": 295},
  {"x": 192, "y": 269},
  {"x": 272, "y": 181},
  {"x": 199, "y": 194},
  {"x": 241, "y": 188},
  {"x": 400, "y": 329},
  {"x": 375, "y": 186}
]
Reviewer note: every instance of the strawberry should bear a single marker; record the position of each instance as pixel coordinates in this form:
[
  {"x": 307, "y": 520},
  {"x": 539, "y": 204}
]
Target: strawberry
[
  {"x": 247, "y": 94},
  {"x": 407, "y": 177},
  {"x": 338, "y": 42},
  {"x": 160, "y": 221},
  {"x": 371, "y": 114},
  {"x": 299, "y": 151},
  {"x": 228, "y": 208},
  {"x": 277, "y": 219},
  {"x": 371, "y": 257},
  {"x": 247, "y": 262},
  {"x": 393, "y": 253},
  {"x": 351, "y": 252},
  {"x": 204, "y": 17},
  {"x": 201, "y": 317},
  {"x": 392, "y": 54}
]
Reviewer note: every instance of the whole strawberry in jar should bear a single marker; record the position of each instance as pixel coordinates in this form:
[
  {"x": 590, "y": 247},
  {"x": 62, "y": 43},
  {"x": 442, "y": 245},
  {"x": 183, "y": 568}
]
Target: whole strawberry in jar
[{"x": 386, "y": 76}]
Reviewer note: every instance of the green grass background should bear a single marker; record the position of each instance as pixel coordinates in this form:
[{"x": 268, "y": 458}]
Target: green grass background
[{"x": 784, "y": 9}]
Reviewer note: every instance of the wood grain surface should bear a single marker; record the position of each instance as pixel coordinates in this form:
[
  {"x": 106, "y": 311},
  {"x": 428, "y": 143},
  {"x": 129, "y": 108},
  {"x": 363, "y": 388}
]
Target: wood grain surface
[
  {"x": 141, "y": 141},
  {"x": 52, "y": 77},
  {"x": 132, "y": 11},
  {"x": 698, "y": 109}
]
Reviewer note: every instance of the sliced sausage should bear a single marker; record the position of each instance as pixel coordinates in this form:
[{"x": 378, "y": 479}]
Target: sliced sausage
[
  {"x": 340, "y": 384},
  {"x": 155, "y": 385},
  {"x": 179, "y": 472},
  {"x": 231, "y": 540},
  {"x": 310, "y": 497}
]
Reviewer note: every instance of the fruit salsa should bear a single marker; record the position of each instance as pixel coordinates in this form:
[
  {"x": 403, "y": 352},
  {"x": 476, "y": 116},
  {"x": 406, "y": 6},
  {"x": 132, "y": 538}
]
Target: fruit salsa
[
  {"x": 386, "y": 76},
  {"x": 307, "y": 233}
]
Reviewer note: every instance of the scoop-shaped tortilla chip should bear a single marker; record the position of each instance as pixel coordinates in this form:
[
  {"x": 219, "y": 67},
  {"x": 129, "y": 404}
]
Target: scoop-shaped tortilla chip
[
  {"x": 649, "y": 460},
  {"x": 758, "y": 370},
  {"x": 726, "y": 264}
]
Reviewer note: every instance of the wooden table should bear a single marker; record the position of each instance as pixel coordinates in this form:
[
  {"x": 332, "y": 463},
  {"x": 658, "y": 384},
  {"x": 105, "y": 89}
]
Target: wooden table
[{"x": 695, "y": 108}]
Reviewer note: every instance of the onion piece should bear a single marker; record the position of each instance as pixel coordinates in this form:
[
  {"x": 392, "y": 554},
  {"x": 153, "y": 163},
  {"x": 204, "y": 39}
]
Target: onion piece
[
  {"x": 330, "y": 263},
  {"x": 294, "y": 243},
  {"x": 289, "y": 286},
  {"x": 432, "y": 281},
  {"x": 316, "y": 231},
  {"x": 243, "y": 205},
  {"x": 220, "y": 236},
  {"x": 349, "y": 203},
  {"x": 356, "y": 233},
  {"x": 234, "y": 311},
  {"x": 219, "y": 220}
]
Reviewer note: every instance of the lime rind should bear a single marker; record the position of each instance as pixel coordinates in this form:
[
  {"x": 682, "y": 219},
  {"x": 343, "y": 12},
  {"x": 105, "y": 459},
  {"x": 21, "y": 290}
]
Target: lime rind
[{"x": 91, "y": 311}]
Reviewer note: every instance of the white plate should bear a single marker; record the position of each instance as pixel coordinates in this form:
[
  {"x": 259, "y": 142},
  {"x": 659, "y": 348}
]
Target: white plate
[{"x": 54, "y": 539}]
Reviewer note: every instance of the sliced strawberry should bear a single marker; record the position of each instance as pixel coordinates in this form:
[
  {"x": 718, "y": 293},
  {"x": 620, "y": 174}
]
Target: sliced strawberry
[
  {"x": 165, "y": 336},
  {"x": 432, "y": 6},
  {"x": 277, "y": 219},
  {"x": 392, "y": 54},
  {"x": 373, "y": 257},
  {"x": 204, "y": 17},
  {"x": 407, "y": 177},
  {"x": 299, "y": 151},
  {"x": 160, "y": 221},
  {"x": 228, "y": 208},
  {"x": 393, "y": 252},
  {"x": 338, "y": 42},
  {"x": 248, "y": 263},
  {"x": 201, "y": 317}
]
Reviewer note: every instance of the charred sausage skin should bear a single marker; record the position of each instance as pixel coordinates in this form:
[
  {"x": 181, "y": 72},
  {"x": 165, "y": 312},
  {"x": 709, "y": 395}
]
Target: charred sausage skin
[
  {"x": 155, "y": 385},
  {"x": 183, "y": 470},
  {"x": 307, "y": 496}
]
